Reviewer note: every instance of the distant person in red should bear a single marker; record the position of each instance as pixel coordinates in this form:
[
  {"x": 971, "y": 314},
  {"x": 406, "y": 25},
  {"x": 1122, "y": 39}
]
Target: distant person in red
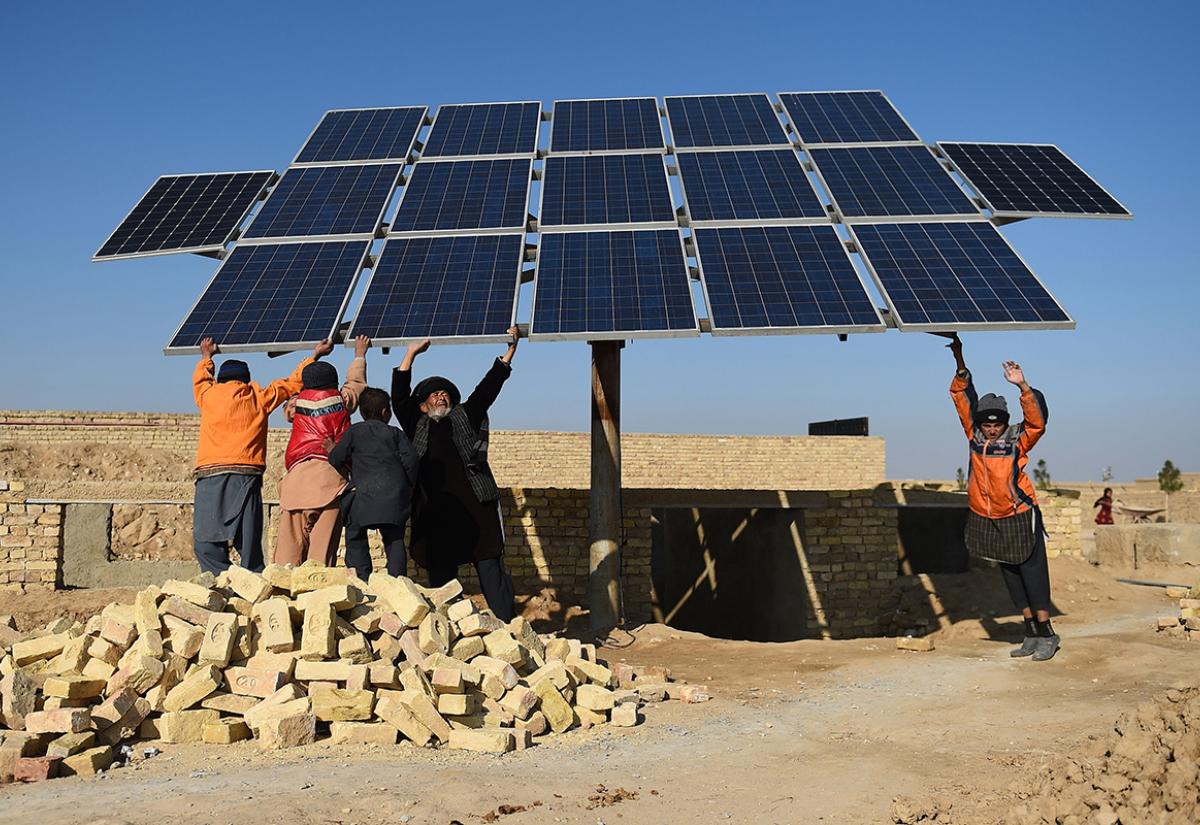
[
  {"x": 1105, "y": 503},
  {"x": 1004, "y": 523}
]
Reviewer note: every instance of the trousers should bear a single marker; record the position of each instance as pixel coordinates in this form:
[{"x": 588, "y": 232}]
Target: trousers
[
  {"x": 237, "y": 515},
  {"x": 1028, "y": 583},
  {"x": 358, "y": 552},
  {"x": 308, "y": 534},
  {"x": 494, "y": 580}
]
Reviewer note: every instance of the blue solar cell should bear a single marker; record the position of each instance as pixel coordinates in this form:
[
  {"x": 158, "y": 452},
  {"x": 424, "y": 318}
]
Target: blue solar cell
[
  {"x": 1031, "y": 179},
  {"x": 781, "y": 278},
  {"x": 951, "y": 275},
  {"x": 460, "y": 286},
  {"x": 326, "y": 200},
  {"x": 757, "y": 185},
  {"x": 347, "y": 135},
  {"x": 605, "y": 189},
  {"x": 186, "y": 212},
  {"x": 288, "y": 295},
  {"x": 465, "y": 194},
  {"x": 612, "y": 285},
  {"x": 845, "y": 117},
  {"x": 724, "y": 120},
  {"x": 484, "y": 129},
  {"x": 605, "y": 125},
  {"x": 882, "y": 181}
]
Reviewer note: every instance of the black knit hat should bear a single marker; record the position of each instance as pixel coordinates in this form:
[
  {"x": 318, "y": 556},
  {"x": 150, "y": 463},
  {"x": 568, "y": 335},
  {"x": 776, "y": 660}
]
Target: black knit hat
[
  {"x": 432, "y": 384},
  {"x": 991, "y": 409},
  {"x": 319, "y": 376},
  {"x": 233, "y": 370}
]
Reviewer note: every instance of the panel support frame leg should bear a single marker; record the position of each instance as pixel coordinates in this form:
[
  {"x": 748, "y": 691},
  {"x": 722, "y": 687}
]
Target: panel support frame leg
[{"x": 604, "y": 516}]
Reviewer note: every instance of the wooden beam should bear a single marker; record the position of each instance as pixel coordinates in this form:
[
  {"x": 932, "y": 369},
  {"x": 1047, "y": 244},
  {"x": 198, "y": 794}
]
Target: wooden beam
[{"x": 604, "y": 521}]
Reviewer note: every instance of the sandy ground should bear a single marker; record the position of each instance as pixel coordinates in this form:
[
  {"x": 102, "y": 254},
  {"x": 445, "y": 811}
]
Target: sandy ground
[{"x": 803, "y": 732}]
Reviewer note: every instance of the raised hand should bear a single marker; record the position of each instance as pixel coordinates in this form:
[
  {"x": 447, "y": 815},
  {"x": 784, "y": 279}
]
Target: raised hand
[
  {"x": 419, "y": 347},
  {"x": 1013, "y": 374},
  {"x": 322, "y": 349},
  {"x": 514, "y": 335},
  {"x": 362, "y": 343},
  {"x": 209, "y": 348}
]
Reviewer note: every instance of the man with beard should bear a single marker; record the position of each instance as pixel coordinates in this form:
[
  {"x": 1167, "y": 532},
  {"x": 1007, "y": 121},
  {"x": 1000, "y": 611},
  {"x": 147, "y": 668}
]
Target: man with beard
[{"x": 456, "y": 510}]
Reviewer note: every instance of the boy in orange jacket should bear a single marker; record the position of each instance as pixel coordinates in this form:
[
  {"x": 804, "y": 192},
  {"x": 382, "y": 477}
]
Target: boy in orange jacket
[
  {"x": 232, "y": 454},
  {"x": 1004, "y": 523}
]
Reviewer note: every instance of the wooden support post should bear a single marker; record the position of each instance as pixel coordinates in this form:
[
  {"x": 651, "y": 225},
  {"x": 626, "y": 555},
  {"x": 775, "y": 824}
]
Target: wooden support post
[{"x": 604, "y": 523}]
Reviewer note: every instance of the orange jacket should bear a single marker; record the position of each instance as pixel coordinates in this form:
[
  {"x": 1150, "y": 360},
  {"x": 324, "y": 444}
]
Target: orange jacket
[
  {"x": 997, "y": 486},
  {"x": 233, "y": 416}
]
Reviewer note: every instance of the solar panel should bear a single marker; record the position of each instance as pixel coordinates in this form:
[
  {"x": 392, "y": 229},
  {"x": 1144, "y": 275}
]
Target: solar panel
[
  {"x": 612, "y": 285},
  {"x": 955, "y": 276},
  {"x": 186, "y": 213},
  {"x": 889, "y": 181},
  {"x": 465, "y": 195},
  {"x": 606, "y": 125},
  {"x": 579, "y": 190},
  {"x": 782, "y": 279},
  {"x": 724, "y": 120},
  {"x": 1029, "y": 179},
  {"x": 326, "y": 201},
  {"x": 274, "y": 296},
  {"x": 448, "y": 287},
  {"x": 757, "y": 185},
  {"x": 845, "y": 117},
  {"x": 355, "y": 135},
  {"x": 475, "y": 129}
]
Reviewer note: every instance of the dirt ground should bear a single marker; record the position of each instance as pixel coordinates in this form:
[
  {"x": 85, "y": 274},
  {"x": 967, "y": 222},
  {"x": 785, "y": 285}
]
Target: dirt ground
[{"x": 803, "y": 732}]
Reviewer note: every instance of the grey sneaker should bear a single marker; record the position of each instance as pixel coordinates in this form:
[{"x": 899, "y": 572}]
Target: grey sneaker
[
  {"x": 1047, "y": 646},
  {"x": 1026, "y": 649}
]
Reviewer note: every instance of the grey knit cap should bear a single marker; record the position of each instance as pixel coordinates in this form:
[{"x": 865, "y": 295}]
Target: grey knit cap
[{"x": 991, "y": 409}]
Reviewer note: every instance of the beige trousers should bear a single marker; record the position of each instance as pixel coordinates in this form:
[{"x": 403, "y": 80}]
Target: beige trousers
[{"x": 306, "y": 535}]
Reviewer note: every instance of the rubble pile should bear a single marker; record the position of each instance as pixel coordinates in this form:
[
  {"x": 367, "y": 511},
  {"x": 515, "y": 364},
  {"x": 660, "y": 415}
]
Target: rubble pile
[
  {"x": 1146, "y": 772},
  {"x": 295, "y": 654},
  {"x": 1187, "y": 622}
]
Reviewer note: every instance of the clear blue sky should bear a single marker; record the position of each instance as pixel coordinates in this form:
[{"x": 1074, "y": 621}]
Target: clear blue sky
[{"x": 101, "y": 98}]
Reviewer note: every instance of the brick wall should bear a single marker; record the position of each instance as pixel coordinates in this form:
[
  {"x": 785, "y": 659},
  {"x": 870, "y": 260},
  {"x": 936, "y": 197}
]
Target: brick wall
[
  {"x": 30, "y": 541},
  {"x": 1062, "y": 514},
  {"x": 539, "y": 459}
]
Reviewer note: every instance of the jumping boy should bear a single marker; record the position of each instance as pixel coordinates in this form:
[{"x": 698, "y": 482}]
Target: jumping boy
[
  {"x": 1004, "y": 523},
  {"x": 383, "y": 469}
]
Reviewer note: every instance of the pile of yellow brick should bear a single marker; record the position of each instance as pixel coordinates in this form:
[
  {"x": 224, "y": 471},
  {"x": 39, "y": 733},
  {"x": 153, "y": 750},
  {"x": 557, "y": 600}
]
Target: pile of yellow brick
[
  {"x": 1188, "y": 620},
  {"x": 286, "y": 655}
]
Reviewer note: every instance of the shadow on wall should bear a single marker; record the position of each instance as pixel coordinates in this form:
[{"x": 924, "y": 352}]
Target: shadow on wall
[{"x": 732, "y": 573}]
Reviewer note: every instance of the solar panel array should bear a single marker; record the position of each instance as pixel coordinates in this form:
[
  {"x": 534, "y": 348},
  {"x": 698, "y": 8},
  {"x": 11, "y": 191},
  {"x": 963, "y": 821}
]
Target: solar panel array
[
  {"x": 1031, "y": 180},
  {"x": 760, "y": 213},
  {"x": 620, "y": 124},
  {"x": 289, "y": 295},
  {"x": 358, "y": 135},
  {"x": 484, "y": 129},
  {"x": 597, "y": 190},
  {"x": 186, "y": 213}
]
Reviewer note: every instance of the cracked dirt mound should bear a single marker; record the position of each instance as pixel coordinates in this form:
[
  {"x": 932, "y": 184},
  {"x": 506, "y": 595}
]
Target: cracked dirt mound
[{"x": 1145, "y": 772}]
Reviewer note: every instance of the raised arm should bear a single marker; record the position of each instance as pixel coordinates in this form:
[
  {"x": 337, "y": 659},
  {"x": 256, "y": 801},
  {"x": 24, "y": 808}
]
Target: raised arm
[
  {"x": 1033, "y": 406},
  {"x": 202, "y": 376},
  {"x": 488, "y": 389},
  {"x": 281, "y": 389},
  {"x": 356, "y": 374},
  {"x": 404, "y": 405},
  {"x": 962, "y": 390}
]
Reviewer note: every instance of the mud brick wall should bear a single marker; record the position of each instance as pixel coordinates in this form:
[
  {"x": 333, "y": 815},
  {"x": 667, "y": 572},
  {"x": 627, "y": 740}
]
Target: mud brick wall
[
  {"x": 850, "y": 550},
  {"x": 30, "y": 541},
  {"x": 541, "y": 459},
  {"x": 1062, "y": 514}
]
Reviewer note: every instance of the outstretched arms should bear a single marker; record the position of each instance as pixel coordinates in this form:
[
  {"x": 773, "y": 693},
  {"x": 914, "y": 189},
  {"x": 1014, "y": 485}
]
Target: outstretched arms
[
  {"x": 488, "y": 389},
  {"x": 403, "y": 404},
  {"x": 962, "y": 391},
  {"x": 1034, "y": 424},
  {"x": 280, "y": 390},
  {"x": 202, "y": 376}
]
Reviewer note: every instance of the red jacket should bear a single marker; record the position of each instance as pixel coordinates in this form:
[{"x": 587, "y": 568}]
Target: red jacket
[{"x": 318, "y": 414}]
